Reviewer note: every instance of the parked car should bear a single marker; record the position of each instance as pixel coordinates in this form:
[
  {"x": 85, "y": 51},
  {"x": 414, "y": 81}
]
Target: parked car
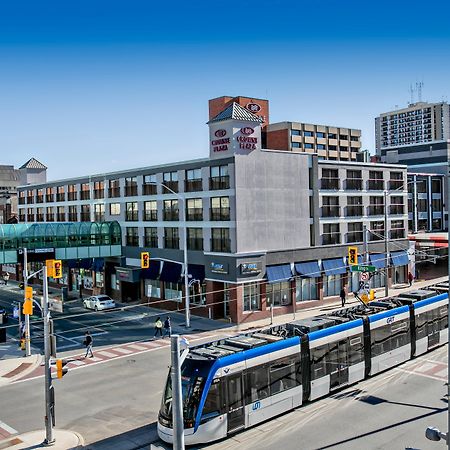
[{"x": 99, "y": 302}]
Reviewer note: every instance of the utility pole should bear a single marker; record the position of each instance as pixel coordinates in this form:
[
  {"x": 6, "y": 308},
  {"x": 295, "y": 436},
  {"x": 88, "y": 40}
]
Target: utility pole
[
  {"x": 49, "y": 390},
  {"x": 366, "y": 246},
  {"x": 27, "y": 316},
  {"x": 386, "y": 246},
  {"x": 177, "y": 399}
]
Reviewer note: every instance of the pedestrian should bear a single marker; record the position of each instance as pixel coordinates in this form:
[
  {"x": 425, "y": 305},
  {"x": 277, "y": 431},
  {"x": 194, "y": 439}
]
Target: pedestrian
[
  {"x": 167, "y": 327},
  {"x": 343, "y": 296},
  {"x": 158, "y": 327},
  {"x": 410, "y": 278},
  {"x": 88, "y": 341},
  {"x": 397, "y": 277},
  {"x": 5, "y": 278}
]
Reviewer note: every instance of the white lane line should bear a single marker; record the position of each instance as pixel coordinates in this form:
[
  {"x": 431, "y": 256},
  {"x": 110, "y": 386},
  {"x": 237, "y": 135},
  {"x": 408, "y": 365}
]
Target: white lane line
[
  {"x": 441, "y": 373},
  {"x": 106, "y": 354},
  {"x": 8, "y": 428},
  {"x": 136, "y": 347},
  {"x": 94, "y": 359},
  {"x": 425, "y": 367},
  {"x": 123, "y": 350},
  {"x": 77, "y": 362}
]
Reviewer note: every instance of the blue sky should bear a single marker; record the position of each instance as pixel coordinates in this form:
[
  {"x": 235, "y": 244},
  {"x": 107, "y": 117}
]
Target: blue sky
[{"x": 97, "y": 86}]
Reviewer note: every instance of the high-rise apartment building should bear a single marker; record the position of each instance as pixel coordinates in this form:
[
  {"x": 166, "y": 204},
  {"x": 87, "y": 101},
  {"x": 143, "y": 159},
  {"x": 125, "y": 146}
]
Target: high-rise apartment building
[{"x": 329, "y": 142}]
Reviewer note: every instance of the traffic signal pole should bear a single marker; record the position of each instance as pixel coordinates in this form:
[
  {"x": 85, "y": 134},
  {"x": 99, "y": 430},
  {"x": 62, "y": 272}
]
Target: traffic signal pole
[
  {"x": 177, "y": 399},
  {"x": 49, "y": 397},
  {"x": 27, "y": 316}
]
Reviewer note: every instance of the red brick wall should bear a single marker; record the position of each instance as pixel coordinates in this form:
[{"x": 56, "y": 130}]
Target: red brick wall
[{"x": 278, "y": 140}]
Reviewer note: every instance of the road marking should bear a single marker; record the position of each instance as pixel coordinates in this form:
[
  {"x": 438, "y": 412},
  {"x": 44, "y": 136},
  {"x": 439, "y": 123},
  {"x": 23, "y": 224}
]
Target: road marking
[
  {"x": 123, "y": 350},
  {"x": 136, "y": 347},
  {"x": 7, "y": 428},
  {"x": 94, "y": 359},
  {"x": 106, "y": 354},
  {"x": 424, "y": 367},
  {"x": 441, "y": 373},
  {"x": 77, "y": 362}
]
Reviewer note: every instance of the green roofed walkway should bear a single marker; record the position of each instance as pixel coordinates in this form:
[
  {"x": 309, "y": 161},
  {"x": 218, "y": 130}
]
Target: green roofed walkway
[{"x": 69, "y": 240}]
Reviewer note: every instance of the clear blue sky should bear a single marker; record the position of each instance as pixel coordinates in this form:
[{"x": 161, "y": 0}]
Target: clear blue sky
[{"x": 94, "y": 86}]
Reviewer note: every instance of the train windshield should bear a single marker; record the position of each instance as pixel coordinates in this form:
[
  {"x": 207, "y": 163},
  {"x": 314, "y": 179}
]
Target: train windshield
[{"x": 193, "y": 376}]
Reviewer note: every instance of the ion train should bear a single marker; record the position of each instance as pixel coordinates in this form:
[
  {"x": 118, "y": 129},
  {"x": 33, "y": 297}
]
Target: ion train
[{"x": 238, "y": 382}]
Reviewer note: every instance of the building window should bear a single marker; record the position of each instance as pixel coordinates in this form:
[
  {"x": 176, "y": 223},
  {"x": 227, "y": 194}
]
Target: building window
[
  {"x": 40, "y": 196},
  {"x": 354, "y": 207},
  {"x": 331, "y": 234},
  {"x": 319, "y": 134},
  {"x": 375, "y": 182},
  {"x": 308, "y": 133},
  {"x": 220, "y": 208},
  {"x": 354, "y": 180},
  {"x": 332, "y": 147},
  {"x": 220, "y": 240},
  {"x": 332, "y": 285},
  {"x": 330, "y": 207},
  {"x": 330, "y": 179},
  {"x": 170, "y": 180},
  {"x": 307, "y": 145},
  {"x": 320, "y": 147},
  {"x": 149, "y": 186},
  {"x": 151, "y": 237},
  {"x": 50, "y": 194},
  {"x": 50, "y": 214},
  {"x": 85, "y": 193},
  {"x": 376, "y": 230},
  {"x": 343, "y": 137},
  {"x": 171, "y": 238},
  {"x": 171, "y": 211},
  {"x": 219, "y": 178},
  {"x": 376, "y": 206},
  {"x": 397, "y": 229},
  {"x": 151, "y": 211},
  {"x": 114, "y": 209},
  {"x": 173, "y": 291},
  {"x": 39, "y": 214},
  {"x": 99, "y": 189},
  {"x": 85, "y": 213},
  {"x": 193, "y": 180},
  {"x": 132, "y": 236},
  {"x": 131, "y": 212},
  {"x": 114, "y": 189},
  {"x": 153, "y": 288},
  {"x": 195, "y": 238},
  {"x": 296, "y": 145},
  {"x": 73, "y": 213},
  {"x": 354, "y": 138},
  {"x": 396, "y": 181},
  {"x": 306, "y": 289},
  {"x": 194, "y": 209},
  {"x": 396, "y": 206},
  {"x": 278, "y": 294},
  {"x": 131, "y": 187},
  {"x": 251, "y": 297},
  {"x": 30, "y": 215},
  {"x": 355, "y": 232},
  {"x": 61, "y": 214},
  {"x": 296, "y": 133},
  {"x": 332, "y": 136},
  {"x": 99, "y": 213}
]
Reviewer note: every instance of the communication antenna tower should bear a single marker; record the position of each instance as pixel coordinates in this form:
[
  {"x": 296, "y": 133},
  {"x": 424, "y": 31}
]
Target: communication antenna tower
[{"x": 419, "y": 86}]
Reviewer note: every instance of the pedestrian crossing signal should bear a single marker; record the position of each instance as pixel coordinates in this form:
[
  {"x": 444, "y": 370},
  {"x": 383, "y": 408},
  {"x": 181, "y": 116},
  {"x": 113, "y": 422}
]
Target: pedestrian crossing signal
[
  {"x": 60, "y": 371},
  {"x": 28, "y": 293},
  {"x": 145, "y": 260},
  {"x": 28, "y": 307},
  {"x": 57, "y": 268},
  {"x": 352, "y": 256},
  {"x": 50, "y": 267}
]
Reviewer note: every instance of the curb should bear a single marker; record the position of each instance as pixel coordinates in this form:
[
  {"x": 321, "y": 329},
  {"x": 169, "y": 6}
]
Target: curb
[{"x": 7, "y": 378}]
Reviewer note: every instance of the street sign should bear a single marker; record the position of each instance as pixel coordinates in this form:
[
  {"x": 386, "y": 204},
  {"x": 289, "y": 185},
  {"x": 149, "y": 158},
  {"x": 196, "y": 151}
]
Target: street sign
[
  {"x": 364, "y": 276},
  {"x": 55, "y": 305},
  {"x": 363, "y": 268}
]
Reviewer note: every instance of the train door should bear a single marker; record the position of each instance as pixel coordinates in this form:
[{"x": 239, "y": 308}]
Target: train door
[
  {"x": 235, "y": 402},
  {"x": 338, "y": 364},
  {"x": 433, "y": 328}
]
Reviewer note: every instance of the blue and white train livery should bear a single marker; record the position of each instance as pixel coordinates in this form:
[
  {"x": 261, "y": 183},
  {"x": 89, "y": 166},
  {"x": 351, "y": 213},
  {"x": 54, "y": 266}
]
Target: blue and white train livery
[{"x": 238, "y": 382}]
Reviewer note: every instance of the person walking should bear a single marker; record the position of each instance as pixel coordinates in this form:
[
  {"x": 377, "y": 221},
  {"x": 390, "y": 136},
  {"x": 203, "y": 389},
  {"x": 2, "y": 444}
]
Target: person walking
[
  {"x": 88, "y": 341},
  {"x": 158, "y": 327},
  {"x": 6, "y": 278},
  {"x": 410, "y": 278},
  {"x": 342, "y": 295},
  {"x": 167, "y": 327}
]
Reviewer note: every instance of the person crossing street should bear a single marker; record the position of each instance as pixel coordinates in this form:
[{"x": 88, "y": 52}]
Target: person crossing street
[{"x": 88, "y": 341}]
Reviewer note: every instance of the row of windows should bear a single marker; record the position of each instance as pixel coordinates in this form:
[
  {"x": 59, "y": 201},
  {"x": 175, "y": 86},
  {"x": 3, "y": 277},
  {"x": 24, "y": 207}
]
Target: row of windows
[
  {"x": 321, "y": 135},
  {"x": 342, "y": 148}
]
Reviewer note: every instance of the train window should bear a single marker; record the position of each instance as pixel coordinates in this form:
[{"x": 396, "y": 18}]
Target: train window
[
  {"x": 400, "y": 334},
  {"x": 380, "y": 340},
  {"x": 318, "y": 361},
  {"x": 355, "y": 350},
  {"x": 443, "y": 312},
  {"x": 282, "y": 376},
  {"x": 421, "y": 326},
  {"x": 257, "y": 384},
  {"x": 212, "y": 405}
]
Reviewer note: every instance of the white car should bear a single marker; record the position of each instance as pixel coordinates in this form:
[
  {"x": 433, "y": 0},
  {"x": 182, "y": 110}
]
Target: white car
[{"x": 99, "y": 302}]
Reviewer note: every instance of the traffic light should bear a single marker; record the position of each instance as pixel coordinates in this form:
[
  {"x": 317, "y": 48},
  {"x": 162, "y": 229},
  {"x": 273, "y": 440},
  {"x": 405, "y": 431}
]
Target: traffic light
[
  {"x": 60, "y": 371},
  {"x": 28, "y": 307},
  {"x": 50, "y": 267},
  {"x": 57, "y": 268},
  {"x": 28, "y": 293},
  {"x": 353, "y": 256},
  {"x": 145, "y": 260}
]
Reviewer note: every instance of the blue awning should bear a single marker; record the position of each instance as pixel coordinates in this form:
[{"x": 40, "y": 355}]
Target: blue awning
[
  {"x": 275, "y": 274},
  {"x": 308, "y": 269},
  {"x": 152, "y": 272},
  {"x": 197, "y": 272},
  {"x": 334, "y": 266},
  {"x": 399, "y": 258},
  {"x": 378, "y": 260},
  {"x": 171, "y": 272},
  {"x": 85, "y": 263}
]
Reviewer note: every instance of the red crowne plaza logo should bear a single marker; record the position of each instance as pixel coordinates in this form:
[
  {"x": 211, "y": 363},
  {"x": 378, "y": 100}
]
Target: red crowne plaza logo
[
  {"x": 247, "y": 131},
  {"x": 253, "y": 107},
  {"x": 220, "y": 133}
]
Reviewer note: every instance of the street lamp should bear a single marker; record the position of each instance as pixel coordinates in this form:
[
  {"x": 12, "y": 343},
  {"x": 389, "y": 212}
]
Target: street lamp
[{"x": 185, "y": 271}]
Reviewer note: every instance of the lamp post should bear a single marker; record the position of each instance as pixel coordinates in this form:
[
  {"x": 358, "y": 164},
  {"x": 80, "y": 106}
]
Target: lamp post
[{"x": 185, "y": 251}]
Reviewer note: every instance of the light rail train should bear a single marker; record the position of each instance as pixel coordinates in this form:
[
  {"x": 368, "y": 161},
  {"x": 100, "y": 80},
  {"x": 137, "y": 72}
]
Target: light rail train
[{"x": 235, "y": 383}]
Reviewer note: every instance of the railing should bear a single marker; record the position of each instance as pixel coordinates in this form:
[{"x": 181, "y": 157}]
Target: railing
[
  {"x": 50, "y": 217},
  {"x": 329, "y": 183},
  {"x": 71, "y": 196},
  {"x": 73, "y": 217},
  {"x": 194, "y": 214},
  {"x": 61, "y": 217},
  {"x": 355, "y": 236},
  {"x": 132, "y": 241},
  {"x": 195, "y": 243},
  {"x": 149, "y": 189},
  {"x": 114, "y": 192},
  {"x": 60, "y": 197},
  {"x": 354, "y": 211},
  {"x": 331, "y": 239},
  {"x": 22, "y": 217},
  {"x": 85, "y": 217},
  {"x": 396, "y": 209},
  {"x": 131, "y": 191},
  {"x": 39, "y": 217},
  {"x": 171, "y": 185},
  {"x": 171, "y": 215},
  {"x": 376, "y": 237},
  {"x": 49, "y": 198},
  {"x": 219, "y": 214},
  {"x": 132, "y": 216},
  {"x": 396, "y": 184},
  {"x": 193, "y": 185},
  {"x": 375, "y": 210},
  {"x": 39, "y": 199},
  {"x": 21, "y": 200},
  {"x": 151, "y": 241},
  {"x": 397, "y": 233},
  {"x": 216, "y": 183},
  {"x": 171, "y": 242},
  {"x": 375, "y": 185},
  {"x": 85, "y": 195},
  {"x": 221, "y": 245},
  {"x": 354, "y": 184},
  {"x": 30, "y": 217},
  {"x": 99, "y": 193},
  {"x": 151, "y": 216},
  {"x": 30, "y": 200},
  {"x": 331, "y": 211}
]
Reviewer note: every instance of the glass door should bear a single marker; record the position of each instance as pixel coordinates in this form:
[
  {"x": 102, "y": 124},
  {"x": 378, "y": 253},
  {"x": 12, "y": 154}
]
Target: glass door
[{"x": 235, "y": 406}]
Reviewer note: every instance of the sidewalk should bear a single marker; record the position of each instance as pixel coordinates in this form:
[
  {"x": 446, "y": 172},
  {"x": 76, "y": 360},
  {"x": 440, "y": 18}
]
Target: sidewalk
[{"x": 64, "y": 440}]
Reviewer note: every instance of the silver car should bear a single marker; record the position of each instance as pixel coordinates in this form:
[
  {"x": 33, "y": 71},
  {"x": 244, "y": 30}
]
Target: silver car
[{"x": 99, "y": 302}]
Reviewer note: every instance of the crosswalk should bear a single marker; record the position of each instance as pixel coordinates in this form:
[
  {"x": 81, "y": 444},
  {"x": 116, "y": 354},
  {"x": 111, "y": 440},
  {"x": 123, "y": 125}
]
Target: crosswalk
[{"x": 435, "y": 370}]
